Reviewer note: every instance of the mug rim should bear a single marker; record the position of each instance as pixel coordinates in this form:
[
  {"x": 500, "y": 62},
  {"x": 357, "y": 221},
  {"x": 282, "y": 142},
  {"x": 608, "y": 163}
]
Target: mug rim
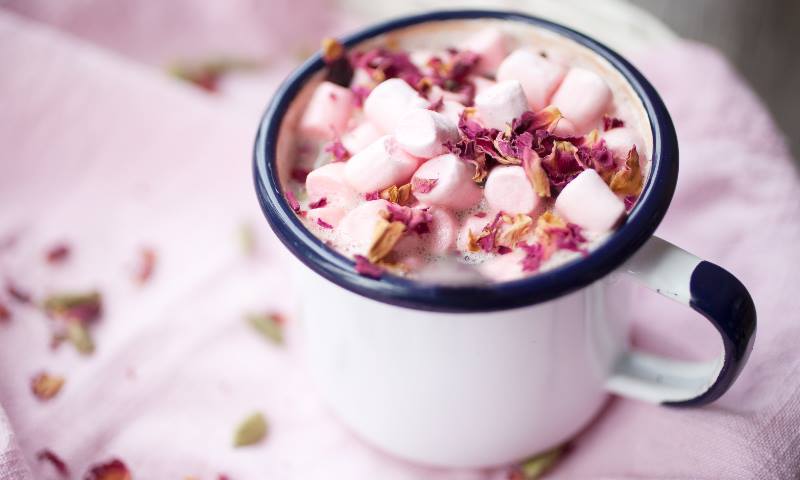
[{"x": 638, "y": 227}]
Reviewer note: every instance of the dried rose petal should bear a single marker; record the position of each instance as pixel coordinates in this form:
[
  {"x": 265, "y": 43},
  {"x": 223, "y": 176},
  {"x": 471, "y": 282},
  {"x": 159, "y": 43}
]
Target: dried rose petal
[
  {"x": 535, "y": 467},
  {"x": 502, "y": 250},
  {"x": 322, "y": 223},
  {"x": 630, "y": 201},
  {"x": 332, "y": 50},
  {"x": 337, "y": 150},
  {"x": 562, "y": 165},
  {"x": 534, "y": 256},
  {"x": 598, "y": 157},
  {"x": 415, "y": 219},
  {"x": 629, "y": 179},
  {"x": 82, "y": 308},
  {"x": 247, "y": 239},
  {"x": 366, "y": 268},
  {"x": 381, "y": 64},
  {"x": 293, "y": 203},
  {"x": 372, "y": 196},
  {"x": 532, "y": 163},
  {"x": 251, "y": 430},
  {"x": 423, "y": 185},
  {"x": 487, "y": 239},
  {"x": 269, "y": 325},
  {"x": 318, "y": 204},
  {"x": 114, "y": 469},
  {"x": 611, "y": 122},
  {"x": 146, "y": 267},
  {"x": 45, "y": 386},
  {"x": 17, "y": 293},
  {"x": 360, "y": 93},
  {"x": 5, "y": 313},
  {"x": 299, "y": 174},
  {"x": 568, "y": 238},
  {"x": 513, "y": 229},
  {"x": 400, "y": 195},
  {"x": 59, "y": 465},
  {"x": 57, "y": 253},
  {"x": 387, "y": 234}
]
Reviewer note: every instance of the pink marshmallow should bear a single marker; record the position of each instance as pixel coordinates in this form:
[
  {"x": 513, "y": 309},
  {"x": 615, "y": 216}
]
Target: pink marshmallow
[
  {"x": 329, "y": 181},
  {"x": 453, "y": 188},
  {"x": 380, "y": 165},
  {"x": 501, "y": 103},
  {"x": 389, "y": 100},
  {"x": 331, "y": 215},
  {"x": 539, "y": 77},
  {"x": 503, "y": 268},
  {"x": 565, "y": 128},
  {"x": 473, "y": 224},
  {"x": 583, "y": 97},
  {"x": 436, "y": 93},
  {"x": 620, "y": 141},
  {"x": 439, "y": 240},
  {"x": 422, "y": 133},
  {"x": 360, "y": 137},
  {"x": 509, "y": 190},
  {"x": 482, "y": 84},
  {"x": 328, "y": 111},
  {"x": 356, "y": 229},
  {"x": 588, "y": 202},
  {"x": 492, "y": 46},
  {"x": 452, "y": 110}
]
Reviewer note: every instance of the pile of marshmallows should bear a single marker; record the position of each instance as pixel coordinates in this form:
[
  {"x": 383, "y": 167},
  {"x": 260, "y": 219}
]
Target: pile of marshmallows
[{"x": 398, "y": 140}]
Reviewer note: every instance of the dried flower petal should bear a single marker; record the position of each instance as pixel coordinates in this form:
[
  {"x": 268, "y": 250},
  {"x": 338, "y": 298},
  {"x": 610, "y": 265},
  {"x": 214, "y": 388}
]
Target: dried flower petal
[
  {"x": 372, "y": 196},
  {"x": 366, "y": 268},
  {"x": 487, "y": 239},
  {"x": 45, "y": 386},
  {"x": 17, "y": 293},
  {"x": 79, "y": 336},
  {"x": 146, "y": 267},
  {"x": 332, "y": 50},
  {"x": 111, "y": 470},
  {"x": 81, "y": 308},
  {"x": 400, "y": 195},
  {"x": 322, "y": 223},
  {"x": 630, "y": 201},
  {"x": 250, "y": 431},
  {"x": 629, "y": 179},
  {"x": 611, "y": 122},
  {"x": 5, "y": 313},
  {"x": 387, "y": 234},
  {"x": 415, "y": 219},
  {"x": 293, "y": 203},
  {"x": 532, "y": 163},
  {"x": 247, "y": 239},
  {"x": 269, "y": 325},
  {"x": 598, "y": 157},
  {"x": 546, "y": 119},
  {"x": 423, "y": 185},
  {"x": 318, "y": 204},
  {"x": 513, "y": 229},
  {"x": 207, "y": 75},
  {"x": 561, "y": 165},
  {"x": 568, "y": 238},
  {"x": 535, "y": 467},
  {"x": 58, "y": 253},
  {"x": 59, "y": 465},
  {"x": 299, "y": 174},
  {"x": 534, "y": 256},
  {"x": 381, "y": 64},
  {"x": 337, "y": 150}
]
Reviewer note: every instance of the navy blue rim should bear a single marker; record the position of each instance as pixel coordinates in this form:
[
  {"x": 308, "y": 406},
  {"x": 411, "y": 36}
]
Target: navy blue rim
[{"x": 637, "y": 229}]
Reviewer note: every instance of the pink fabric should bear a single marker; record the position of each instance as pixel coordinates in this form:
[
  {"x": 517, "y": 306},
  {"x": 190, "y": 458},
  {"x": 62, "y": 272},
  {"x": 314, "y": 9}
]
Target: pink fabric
[{"x": 110, "y": 155}]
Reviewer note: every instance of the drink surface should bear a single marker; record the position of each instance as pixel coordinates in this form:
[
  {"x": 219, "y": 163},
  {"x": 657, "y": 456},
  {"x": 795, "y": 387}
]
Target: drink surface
[{"x": 485, "y": 143}]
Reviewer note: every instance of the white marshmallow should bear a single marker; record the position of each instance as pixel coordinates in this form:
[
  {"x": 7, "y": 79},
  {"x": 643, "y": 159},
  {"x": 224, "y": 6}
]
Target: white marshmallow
[
  {"x": 360, "y": 137},
  {"x": 582, "y": 98},
  {"x": 329, "y": 181},
  {"x": 380, "y": 165},
  {"x": 509, "y": 190},
  {"x": 588, "y": 202},
  {"x": 422, "y": 133},
  {"x": 620, "y": 141},
  {"x": 452, "y": 110},
  {"x": 328, "y": 111},
  {"x": 389, "y": 100},
  {"x": 501, "y": 103},
  {"x": 539, "y": 77},
  {"x": 454, "y": 187},
  {"x": 356, "y": 230},
  {"x": 491, "y": 45}
]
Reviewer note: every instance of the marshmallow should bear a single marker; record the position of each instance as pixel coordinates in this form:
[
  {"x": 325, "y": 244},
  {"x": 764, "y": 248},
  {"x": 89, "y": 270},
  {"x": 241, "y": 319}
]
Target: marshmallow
[
  {"x": 380, "y": 165},
  {"x": 329, "y": 181},
  {"x": 437, "y": 93},
  {"x": 452, "y": 110},
  {"x": 327, "y": 112},
  {"x": 482, "y": 84},
  {"x": 454, "y": 187},
  {"x": 491, "y": 45},
  {"x": 331, "y": 215},
  {"x": 503, "y": 268},
  {"x": 620, "y": 141},
  {"x": 473, "y": 224},
  {"x": 356, "y": 230},
  {"x": 501, "y": 103},
  {"x": 583, "y": 97},
  {"x": 509, "y": 190},
  {"x": 422, "y": 132},
  {"x": 565, "y": 128},
  {"x": 539, "y": 77},
  {"x": 389, "y": 100},
  {"x": 440, "y": 238},
  {"x": 360, "y": 137},
  {"x": 588, "y": 202}
]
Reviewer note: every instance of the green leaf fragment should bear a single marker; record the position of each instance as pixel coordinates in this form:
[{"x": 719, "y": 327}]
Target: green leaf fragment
[
  {"x": 78, "y": 335},
  {"x": 268, "y": 325},
  {"x": 252, "y": 430}
]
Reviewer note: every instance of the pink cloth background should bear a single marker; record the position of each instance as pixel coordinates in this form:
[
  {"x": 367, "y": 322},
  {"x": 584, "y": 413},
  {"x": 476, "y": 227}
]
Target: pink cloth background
[{"x": 102, "y": 149}]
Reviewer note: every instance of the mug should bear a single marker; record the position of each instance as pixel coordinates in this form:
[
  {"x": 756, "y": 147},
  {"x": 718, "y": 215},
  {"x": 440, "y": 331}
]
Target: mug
[{"x": 484, "y": 375}]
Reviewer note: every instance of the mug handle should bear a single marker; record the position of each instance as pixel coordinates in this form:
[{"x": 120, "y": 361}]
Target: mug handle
[{"x": 709, "y": 290}]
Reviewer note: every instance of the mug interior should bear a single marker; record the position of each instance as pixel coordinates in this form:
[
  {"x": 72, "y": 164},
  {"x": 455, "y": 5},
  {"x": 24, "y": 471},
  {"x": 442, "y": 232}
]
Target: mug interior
[{"x": 275, "y": 141}]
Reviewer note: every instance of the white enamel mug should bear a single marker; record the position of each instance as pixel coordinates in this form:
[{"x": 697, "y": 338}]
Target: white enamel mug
[{"x": 483, "y": 375}]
